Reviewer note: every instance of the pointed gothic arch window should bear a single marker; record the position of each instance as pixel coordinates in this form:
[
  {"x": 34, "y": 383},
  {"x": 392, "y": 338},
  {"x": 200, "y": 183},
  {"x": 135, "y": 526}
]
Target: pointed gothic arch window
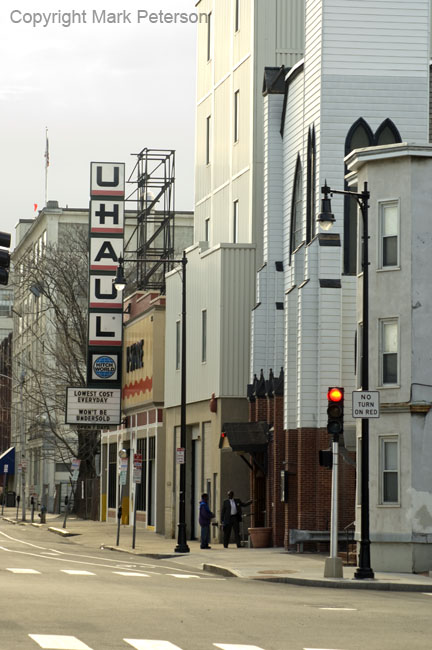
[
  {"x": 297, "y": 208},
  {"x": 387, "y": 133},
  {"x": 311, "y": 187},
  {"x": 360, "y": 135}
]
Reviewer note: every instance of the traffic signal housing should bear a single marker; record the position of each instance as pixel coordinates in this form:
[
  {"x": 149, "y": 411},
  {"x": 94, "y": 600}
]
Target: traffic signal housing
[
  {"x": 326, "y": 458},
  {"x": 5, "y": 241},
  {"x": 335, "y": 410}
]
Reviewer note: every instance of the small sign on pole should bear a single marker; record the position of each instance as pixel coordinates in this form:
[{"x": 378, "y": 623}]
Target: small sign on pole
[
  {"x": 180, "y": 455},
  {"x": 366, "y": 404}
]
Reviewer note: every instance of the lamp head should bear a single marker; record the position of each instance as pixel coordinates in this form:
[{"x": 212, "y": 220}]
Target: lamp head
[{"x": 326, "y": 217}]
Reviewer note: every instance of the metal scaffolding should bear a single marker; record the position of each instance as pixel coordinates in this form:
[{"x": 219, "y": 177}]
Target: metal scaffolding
[{"x": 154, "y": 193}]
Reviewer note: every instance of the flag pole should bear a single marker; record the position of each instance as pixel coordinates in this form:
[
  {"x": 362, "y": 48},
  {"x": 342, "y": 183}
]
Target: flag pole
[{"x": 46, "y": 165}]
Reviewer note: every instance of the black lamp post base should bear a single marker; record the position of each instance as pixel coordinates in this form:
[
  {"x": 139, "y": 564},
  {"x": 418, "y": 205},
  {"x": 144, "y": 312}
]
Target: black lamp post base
[
  {"x": 182, "y": 546},
  {"x": 364, "y": 573}
]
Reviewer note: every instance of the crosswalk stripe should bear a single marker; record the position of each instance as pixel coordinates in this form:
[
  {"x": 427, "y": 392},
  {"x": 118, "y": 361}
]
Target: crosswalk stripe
[
  {"x": 74, "y": 572},
  {"x": 58, "y": 642},
  {"x": 149, "y": 644},
  {"x": 236, "y": 646},
  {"x": 23, "y": 571},
  {"x": 131, "y": 573},
  {"x": 181, "y": 575}
]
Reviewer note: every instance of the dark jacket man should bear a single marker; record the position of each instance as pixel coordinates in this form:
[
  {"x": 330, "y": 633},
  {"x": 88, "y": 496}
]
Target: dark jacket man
[{"x": 231, "y": 516}]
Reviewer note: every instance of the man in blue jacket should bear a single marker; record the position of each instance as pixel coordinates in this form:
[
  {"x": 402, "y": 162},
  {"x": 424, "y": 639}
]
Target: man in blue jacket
[{"x": 205, "y": 517}]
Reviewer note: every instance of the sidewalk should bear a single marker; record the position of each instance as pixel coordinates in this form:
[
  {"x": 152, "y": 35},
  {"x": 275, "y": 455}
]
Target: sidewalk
[{"x": 269, "y": 564}]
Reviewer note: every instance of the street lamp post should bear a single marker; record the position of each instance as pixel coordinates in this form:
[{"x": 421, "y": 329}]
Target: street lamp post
[
  {"x": 326, "y": 220},
  {"x": 120, "y": 284}
]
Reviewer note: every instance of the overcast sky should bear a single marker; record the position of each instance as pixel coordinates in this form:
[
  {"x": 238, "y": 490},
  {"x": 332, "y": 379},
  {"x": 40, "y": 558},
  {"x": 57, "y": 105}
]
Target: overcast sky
[{"x": 103, "y": 91}]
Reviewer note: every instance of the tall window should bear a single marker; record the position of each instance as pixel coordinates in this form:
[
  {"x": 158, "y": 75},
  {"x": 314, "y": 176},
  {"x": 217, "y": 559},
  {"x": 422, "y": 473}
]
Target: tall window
[
  {"x": 204, "y": 335},
  {"x": 235, "y": 221},
  {"x": 178, "y": 345},
  {"x": 237, "y": 16},
  {"x": 360, "y": 135},
  {"x": 387, "y": 133},
  {"x": 389, "y": 343},
  {"x": 389, "y": 234},
  {"x": 236, "y": 115},
  {"x": 208, "y": 140},
  {"x": 311, "y": 188},
  {"x": 297, "y": 208},
  {"x": 207, "y": 230},
  {"x": 209, "y": 35},
  {"x": 389, "y": 465}
]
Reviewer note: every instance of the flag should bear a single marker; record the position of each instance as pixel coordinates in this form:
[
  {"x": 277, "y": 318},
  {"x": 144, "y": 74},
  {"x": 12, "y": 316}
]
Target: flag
[
  {"x": 47, "y": 151},
  {"x": 35, "y": 206}
]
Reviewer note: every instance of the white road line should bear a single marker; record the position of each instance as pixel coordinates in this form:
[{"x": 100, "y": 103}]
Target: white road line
[
  {"x": 14, "y": 539},
  {"x": 229, "y": 646},
  {"x": 73, "y": 572},
  {"x": 340, "y": 609},
  {"x": 58, "y": 642},
  {"x": 318, "y": 649},
  {"x": 426, "y": 593},
  {"x": 131, "y": 573},
  {"x": 178, "y": 575},
  {"x": 149, "y": 644},
  {"x": 23, "y": 571}
]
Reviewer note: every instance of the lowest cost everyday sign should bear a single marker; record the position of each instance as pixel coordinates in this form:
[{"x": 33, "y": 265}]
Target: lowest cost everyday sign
[{"x": 93, "y": 406}]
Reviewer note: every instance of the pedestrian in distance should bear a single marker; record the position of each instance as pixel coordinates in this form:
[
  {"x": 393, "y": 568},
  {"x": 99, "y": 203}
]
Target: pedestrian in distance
[
  {"x": 231, "y": 517},
  {"x": 205, "y": 517}
]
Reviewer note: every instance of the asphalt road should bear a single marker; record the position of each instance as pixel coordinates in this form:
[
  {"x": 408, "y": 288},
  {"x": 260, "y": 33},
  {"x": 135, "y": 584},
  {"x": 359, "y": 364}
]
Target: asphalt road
[{"x": 61, "y": 596}]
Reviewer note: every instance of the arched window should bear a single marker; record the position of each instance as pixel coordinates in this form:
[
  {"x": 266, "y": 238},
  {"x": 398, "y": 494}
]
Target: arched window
[
  {"x": 311, "y": 187},
  {"x": 360, "y": 135},
  {"x": 297, "y": 208},
  {"x": 387, "y": 133}
]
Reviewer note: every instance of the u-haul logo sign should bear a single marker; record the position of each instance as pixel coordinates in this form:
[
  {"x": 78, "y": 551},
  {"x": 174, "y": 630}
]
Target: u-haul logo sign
[{"x": 106, "y": 233}]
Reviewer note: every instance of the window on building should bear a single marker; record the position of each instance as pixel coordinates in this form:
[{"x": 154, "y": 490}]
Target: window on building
[
  {"x": 236, "y": 115},
  {"x": 311, "y": 188},
  {"x": 208, "y": 139},
  {"x": 237, "y": 15},
  {"x": 387, "y": 133},
  {"x": 235, "y": 221},
  {"x": 204, "y": 335},
  {"x": 389, "y": 464},
  {"x": 209, "y": 35},
  {"x": 112, "y": 475},
  {"x": 141, "y": 487},
  {"x": 389, "y": 343},
  {"x": 178, "y": 345},
  {"x": 297, "y": 208},
  {"x": 388, "y": 234},
  {"x": 207, "y": 230}
]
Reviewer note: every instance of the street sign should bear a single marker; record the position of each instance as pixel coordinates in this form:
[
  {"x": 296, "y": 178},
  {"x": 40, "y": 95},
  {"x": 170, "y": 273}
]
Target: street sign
[
  {"x": 136, "y": 476},
  {"x": 365, "y": 404},
  {"x": 100, "y": 408},
  {"x": 5, "y": 469},
  {"x": 180, "y": 455},
  {"x": 123, "y": 478}
]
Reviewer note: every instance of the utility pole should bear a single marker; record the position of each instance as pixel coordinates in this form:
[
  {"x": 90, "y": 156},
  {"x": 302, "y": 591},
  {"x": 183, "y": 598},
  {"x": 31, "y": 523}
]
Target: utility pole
[{"x": 22, "y": 445}]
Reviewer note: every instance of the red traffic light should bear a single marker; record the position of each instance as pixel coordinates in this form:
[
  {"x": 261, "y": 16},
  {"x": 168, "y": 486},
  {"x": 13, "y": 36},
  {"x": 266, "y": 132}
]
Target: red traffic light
[{"x": 335, "y": 394}]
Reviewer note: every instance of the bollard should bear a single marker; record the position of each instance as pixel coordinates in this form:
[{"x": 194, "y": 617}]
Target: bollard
[
  {"x": 18, "y": 499},
  {"x": 66, "y": 510},
  {"x": 32, "y": 508},
  {"x": 119, "y": 514}
]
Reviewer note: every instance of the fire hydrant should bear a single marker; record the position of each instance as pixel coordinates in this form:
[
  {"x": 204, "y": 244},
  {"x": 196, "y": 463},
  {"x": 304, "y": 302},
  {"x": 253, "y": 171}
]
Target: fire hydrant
[{"x": 42, "y": 515}]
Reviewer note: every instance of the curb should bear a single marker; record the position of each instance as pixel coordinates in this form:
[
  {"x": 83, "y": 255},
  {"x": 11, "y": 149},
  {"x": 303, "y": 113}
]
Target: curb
[
  {"x": 222, "y": 571},
  {"x": 131, "y": 551},
  {"x": 61, "y": 531},
  {"x": 348, "y": 584}
]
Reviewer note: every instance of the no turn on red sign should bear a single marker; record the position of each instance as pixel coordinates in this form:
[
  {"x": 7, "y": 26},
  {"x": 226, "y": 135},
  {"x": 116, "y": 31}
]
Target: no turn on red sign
[{"x": 366, "y": 404}]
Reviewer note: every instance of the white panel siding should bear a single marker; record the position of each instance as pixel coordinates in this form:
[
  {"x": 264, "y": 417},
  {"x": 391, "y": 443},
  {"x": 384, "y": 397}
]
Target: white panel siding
[{"x": 384, "y": 37}]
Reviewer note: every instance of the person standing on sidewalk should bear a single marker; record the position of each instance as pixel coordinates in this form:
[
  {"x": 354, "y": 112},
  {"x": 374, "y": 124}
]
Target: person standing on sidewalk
[
  {"x": 231, "y": 517},
  {"x": 205, "y": 517}
]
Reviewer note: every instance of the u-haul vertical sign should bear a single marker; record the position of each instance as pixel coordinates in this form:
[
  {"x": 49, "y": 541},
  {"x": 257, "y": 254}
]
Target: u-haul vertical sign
[{"x": 106, "y": 244}]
